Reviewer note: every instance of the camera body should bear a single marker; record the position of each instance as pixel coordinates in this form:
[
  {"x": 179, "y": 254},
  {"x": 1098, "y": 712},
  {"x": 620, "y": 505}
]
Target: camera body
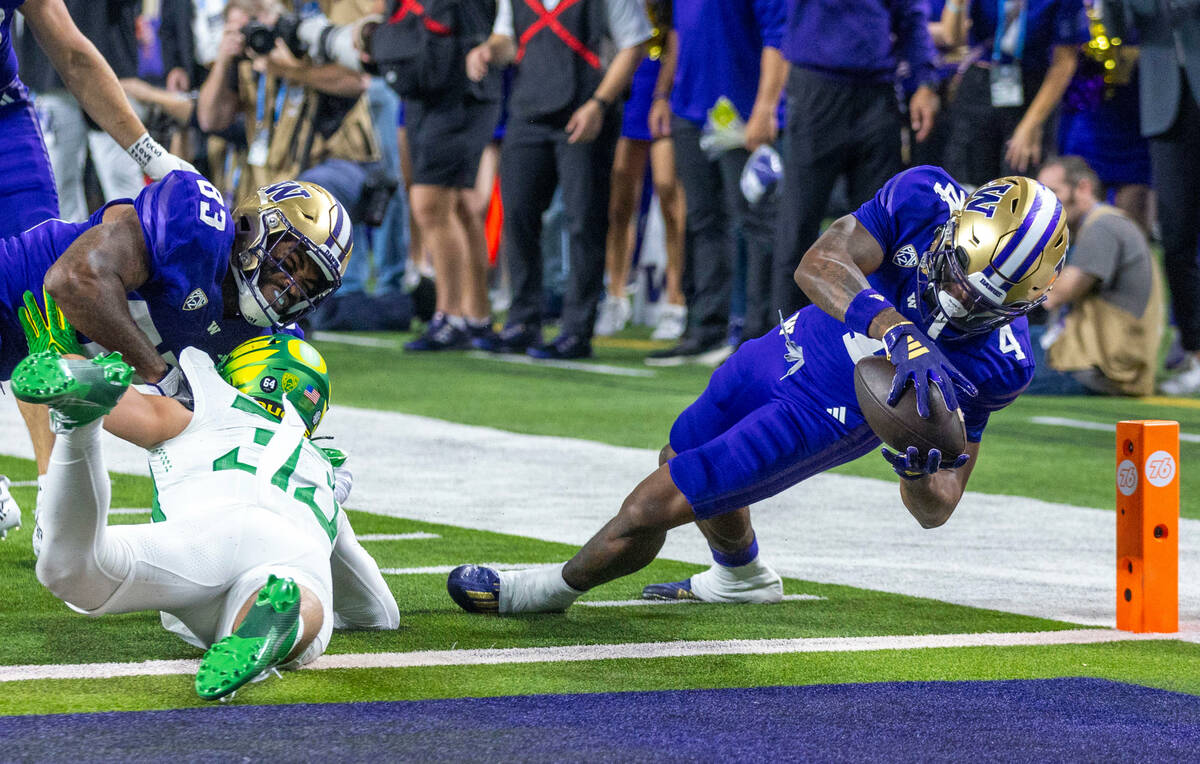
[{"x": 261, "y": 38}]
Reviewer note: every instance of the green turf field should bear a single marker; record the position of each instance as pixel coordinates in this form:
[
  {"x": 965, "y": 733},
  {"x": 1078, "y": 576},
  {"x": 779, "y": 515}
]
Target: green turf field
[{"x": 1019, "y": 458}]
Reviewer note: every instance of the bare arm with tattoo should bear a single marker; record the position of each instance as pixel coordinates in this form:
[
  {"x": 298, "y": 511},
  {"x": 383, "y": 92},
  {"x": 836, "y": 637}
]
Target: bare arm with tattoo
[{"x": 835, "y": 269}]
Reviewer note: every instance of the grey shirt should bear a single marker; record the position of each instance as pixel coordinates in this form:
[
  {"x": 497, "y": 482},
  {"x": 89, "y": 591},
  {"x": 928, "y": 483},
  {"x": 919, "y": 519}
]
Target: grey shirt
[
  {"x": 1114, "y": 250},
  {"x": 628, "y": 24}
]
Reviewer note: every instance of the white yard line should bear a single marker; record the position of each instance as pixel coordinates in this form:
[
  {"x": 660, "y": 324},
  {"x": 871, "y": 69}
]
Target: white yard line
[
  {"x": 637, "y": 603},
  {"x": 347, "y": 339},
  {"x": 444, "y": 569},
  {"x": 129, "y": 511},
  {"x": 572, "y": 653},
  {"x": 397, "y": 536},
  {"x": 1083, "y": 424}
]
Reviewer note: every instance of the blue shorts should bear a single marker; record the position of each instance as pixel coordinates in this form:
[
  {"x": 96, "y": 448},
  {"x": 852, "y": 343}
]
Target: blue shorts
[
  {"x": 635, "y": 122},
  {"x": 753, "y": 433},
  {"x": 27, "y": 193}
]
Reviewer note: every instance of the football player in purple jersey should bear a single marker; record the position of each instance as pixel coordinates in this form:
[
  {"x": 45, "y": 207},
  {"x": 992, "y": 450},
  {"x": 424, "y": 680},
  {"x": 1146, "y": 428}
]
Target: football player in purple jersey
[
  {"x": 27, "y": 192},
  {"x": 176, "y": 268},
  {"x": 937, "y": 281}
]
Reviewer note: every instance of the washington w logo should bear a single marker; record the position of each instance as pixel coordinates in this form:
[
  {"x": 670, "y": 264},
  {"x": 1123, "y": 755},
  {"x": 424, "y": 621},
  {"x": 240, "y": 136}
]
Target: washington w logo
[
  {"x": 286, "y": 189},
  {"x": 985, "y": 199}
]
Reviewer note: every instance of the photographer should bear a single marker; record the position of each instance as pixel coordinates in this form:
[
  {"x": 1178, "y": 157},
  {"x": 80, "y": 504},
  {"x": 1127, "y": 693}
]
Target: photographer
[{"x": 302, "y": 118}]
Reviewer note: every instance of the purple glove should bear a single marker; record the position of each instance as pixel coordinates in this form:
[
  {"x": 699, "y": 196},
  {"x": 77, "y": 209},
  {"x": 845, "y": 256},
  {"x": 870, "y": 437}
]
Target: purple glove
[
  {"x": 916, "y": 357},
  {"x": 908, "y": 465}
]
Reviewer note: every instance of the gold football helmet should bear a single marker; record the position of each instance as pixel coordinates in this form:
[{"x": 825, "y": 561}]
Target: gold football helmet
[
  {"x": 291, "y": 244},
  {"x": 995, "y": 259}
]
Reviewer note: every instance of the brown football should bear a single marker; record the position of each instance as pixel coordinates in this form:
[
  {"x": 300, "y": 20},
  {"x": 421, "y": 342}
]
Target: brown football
[{"x": 900, "y": 426}]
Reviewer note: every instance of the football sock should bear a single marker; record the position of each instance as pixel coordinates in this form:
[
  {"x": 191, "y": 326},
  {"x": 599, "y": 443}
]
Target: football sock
[
  {"x": 85, "y": 569},
  {"x": 736, "y": 559},
  {"x": 753, "y": 581},
  {"x": 536, "y": 590},
  {"x": 458, "y": 322}
]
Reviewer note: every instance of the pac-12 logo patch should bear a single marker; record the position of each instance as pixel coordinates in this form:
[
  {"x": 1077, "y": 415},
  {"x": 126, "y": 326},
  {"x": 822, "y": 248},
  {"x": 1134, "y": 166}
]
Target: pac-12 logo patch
[
  {"x": 906, "y": 257},
  {"x": 195, "y": 300}
]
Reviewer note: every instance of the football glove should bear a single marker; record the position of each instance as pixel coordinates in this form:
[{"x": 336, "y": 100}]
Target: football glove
[
  {"x": 173, "y": 385},
  {"x": 908, "y": 465},
  {"x": 916, "y": 357},
  {"x": 343, "y": 478},
  {"x": 49, "y": 330}
]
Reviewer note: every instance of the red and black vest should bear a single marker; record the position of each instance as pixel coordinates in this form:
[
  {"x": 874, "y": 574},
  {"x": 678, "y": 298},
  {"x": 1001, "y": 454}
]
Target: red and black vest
[{"x": 558, "y": 55}]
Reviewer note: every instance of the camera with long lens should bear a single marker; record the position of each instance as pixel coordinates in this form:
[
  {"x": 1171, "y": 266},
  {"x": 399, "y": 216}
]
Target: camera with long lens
[{"x": 261, "y": 38}]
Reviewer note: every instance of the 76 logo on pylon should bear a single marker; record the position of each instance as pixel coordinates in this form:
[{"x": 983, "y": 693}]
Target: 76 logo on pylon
[{"x": 1160, "y": 468}]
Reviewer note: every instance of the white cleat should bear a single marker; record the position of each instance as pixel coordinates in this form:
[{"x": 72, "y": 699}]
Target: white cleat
[
  {"x": 10, "y": 513},
  {"x": 1186, "y": 382},
  {"x": 754, "y": 582}
]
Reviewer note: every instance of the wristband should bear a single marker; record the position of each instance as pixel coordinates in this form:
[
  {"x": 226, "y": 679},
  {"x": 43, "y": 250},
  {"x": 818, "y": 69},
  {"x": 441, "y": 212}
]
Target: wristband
[
  {"x": 661, "y": 97},
  {"x": 603, "y": 103},
  {"x": 144, "y": 150},
  {"x": 863, "y": 308}
]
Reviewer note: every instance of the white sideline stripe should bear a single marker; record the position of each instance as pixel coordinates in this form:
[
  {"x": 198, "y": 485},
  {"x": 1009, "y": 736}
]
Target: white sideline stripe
[
  {"x": 130, "y": 511},
  {"x": 24, "y": 484},
  {"x": 572, "y": 653},
  {"x": 397, "y": 536},
  {"x": 636, "y": 603},
  {"x": 447, "y": 568},
  {"x": 1080, "y": 424},
  {"x": 346, "y": 339},
  {"x": 595, "y": 368}
]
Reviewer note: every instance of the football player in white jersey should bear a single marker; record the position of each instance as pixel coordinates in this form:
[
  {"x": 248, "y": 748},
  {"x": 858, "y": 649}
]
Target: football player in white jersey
[{"x": 250, "y": 555}]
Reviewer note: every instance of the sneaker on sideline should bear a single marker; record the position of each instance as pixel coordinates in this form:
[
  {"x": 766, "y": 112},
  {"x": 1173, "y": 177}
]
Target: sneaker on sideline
[
  {"x": 672, "y": 320},
  {"x": 613, "y": 315},
  {"x": 692, "y": 350},
  {"x": 565, "y": 347},
  {"x": 440, "y": 334},
  {"x": 1186, "y": 382}
]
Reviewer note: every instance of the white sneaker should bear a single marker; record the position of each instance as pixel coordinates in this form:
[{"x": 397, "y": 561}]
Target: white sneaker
[
  {"x": 612, "y": 316},
  {"x": 10, "y": 513},
  {"x": 672, "y": 320},
  {"x": 1186, "y": 382}
]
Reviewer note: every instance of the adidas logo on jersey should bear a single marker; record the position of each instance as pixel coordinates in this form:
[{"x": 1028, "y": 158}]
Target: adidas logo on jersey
[
  {"x": 838, "y": 413},
  {"x": 195, "y": 300},
  {"x": 906, "y": 257}
]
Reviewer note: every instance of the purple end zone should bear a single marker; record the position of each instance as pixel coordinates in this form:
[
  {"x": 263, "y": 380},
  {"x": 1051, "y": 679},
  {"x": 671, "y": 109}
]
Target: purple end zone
[{"x": 1021, "y": 720}]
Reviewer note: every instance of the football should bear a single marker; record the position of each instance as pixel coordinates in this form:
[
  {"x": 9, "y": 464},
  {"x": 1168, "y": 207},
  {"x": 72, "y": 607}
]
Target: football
[{"x": 900, "y": 426}]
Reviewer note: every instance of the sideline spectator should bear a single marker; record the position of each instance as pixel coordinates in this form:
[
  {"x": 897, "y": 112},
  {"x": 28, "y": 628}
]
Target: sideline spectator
[
  {"x": 1169, "y": 73},
  {"x": 1025, "y": 53},
  {"x": 842, "y": 114},
  {"x": 636, "y": 147},
  {"x": 1099, "y": 119},
  {"x": 563, "y": 125},
  {"x": 448, "y": 128},
  {"x": 739, "y": 60},
  {"x": 1107, "y": 338}
]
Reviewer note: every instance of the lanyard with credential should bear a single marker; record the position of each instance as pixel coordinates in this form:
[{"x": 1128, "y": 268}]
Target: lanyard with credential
[
  {"x": 260, "y": 105},
  {"x": 1002, "y": 30}
]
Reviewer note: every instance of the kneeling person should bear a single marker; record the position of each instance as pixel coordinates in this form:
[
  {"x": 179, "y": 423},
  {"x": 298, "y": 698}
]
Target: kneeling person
[{"x": 249, "y": 554}]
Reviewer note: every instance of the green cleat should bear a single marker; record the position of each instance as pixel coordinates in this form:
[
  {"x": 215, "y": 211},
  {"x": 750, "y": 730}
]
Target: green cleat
[
  {"x": 77, "y": 391},
  {"x": 263, "y": 641}
]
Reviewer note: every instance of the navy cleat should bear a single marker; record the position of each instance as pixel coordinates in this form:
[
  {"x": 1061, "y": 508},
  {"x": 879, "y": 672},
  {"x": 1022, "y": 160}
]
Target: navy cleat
[
  {"x": 679, "y": 590},
  {"x": 475, "y": 589}
]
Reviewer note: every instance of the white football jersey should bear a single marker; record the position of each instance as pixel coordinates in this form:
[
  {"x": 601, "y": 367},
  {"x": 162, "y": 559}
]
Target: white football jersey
[{"x": 233, "y": 453}]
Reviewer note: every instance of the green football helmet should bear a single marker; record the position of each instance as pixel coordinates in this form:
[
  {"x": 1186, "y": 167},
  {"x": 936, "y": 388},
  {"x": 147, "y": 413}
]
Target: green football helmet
[{"x": 273, "y": 367}]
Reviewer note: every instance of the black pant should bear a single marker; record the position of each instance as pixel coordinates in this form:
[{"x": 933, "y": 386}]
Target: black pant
[
  {"x": 833, "y": 128},
  {"x": 535, "y": 159},
  {"x": 716, "y": 211},
  {"x": 1175, "y": 161},
  {"x": 980, "y": 131}
]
